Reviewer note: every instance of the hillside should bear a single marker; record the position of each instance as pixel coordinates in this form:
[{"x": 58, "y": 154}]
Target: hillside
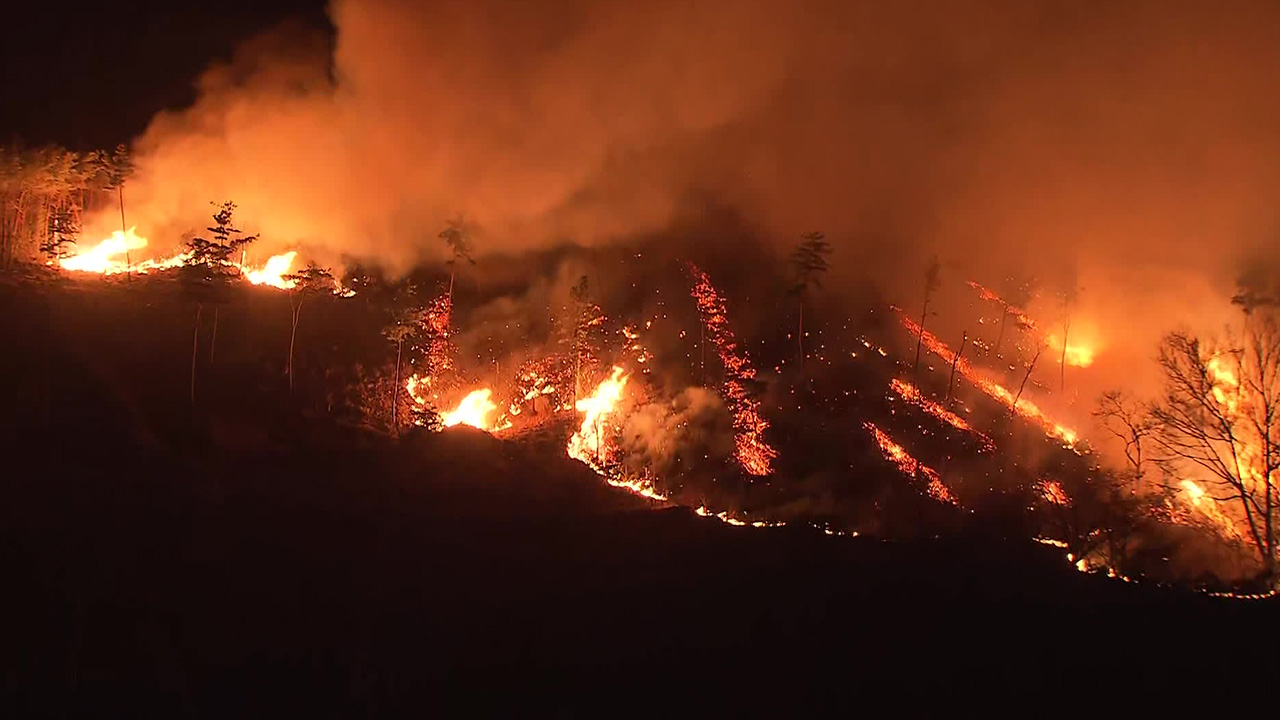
[{"x": 250, "y": 554}]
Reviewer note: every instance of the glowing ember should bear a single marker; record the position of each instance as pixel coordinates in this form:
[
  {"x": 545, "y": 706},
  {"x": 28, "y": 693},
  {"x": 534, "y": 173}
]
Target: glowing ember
[
  {"x": 911, "y": 394},
  {"x": 1022, "y": 317},
  {"x": 1023, "y": 406},
  {"x": 1052, "y": 492},
  {"x": 895, "y": 453},
  {"x": 473, "y": 410},
  {"x": 752, "y": 452},
  {"x": 591, "y": 443}
]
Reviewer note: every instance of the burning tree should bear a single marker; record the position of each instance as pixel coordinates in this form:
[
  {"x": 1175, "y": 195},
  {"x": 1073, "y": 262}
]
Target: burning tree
[
  {"x": 308, "y": 282},
  {"x": 588, "y": 323},
  {"x": 809, "y": 264},
  {"x": 1219, "y": 418}
]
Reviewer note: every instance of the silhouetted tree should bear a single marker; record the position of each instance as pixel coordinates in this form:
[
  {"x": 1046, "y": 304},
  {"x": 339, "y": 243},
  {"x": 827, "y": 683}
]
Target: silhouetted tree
[
  {"x": 1219, "y": 417},
  {"x": 310, "y": 281},
  {"x": 457, "y": 236},
  {"x": 588, "y": 321},
  {"x": 932, "y": 281},
  {"x": 207, "y": 273},
  {"x": 119, "y": 168},
  {"x": 229, "y": 238},
  {"x": 1132, "y": 425},
  {"x": 808, "y": 265},
  {"x": 405, "y": 322}
]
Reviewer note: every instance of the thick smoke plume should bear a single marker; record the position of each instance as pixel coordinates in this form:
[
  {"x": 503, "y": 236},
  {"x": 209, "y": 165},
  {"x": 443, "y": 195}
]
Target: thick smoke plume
[{"x": 1131, "y": 146}]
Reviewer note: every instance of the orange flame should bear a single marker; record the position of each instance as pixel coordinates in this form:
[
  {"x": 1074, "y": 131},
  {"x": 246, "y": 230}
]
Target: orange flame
[
  {"x": 589, "y": 444},
  {"x": 473, "y": 410}
]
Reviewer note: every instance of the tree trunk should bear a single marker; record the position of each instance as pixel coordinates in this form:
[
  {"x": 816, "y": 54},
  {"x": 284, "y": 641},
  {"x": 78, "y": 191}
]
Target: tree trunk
[
  {"x": 213, "y": 342},
  {"x": 1025, "y": 377},
  {"x": 395, "y": 394},
  {"x": 800, "y": 336},
  {"x": 195, "y": 344},
  {"x": 955, "y": 359},
  {"x": 1004, "y": 313},
  {"x": 297, "y": 311},
  {"x": 128, "y": 265},
  {"x": 1066, "y": 331},
  {"x": 702, "y": 349},
  {"x": 915, "y": 367}
]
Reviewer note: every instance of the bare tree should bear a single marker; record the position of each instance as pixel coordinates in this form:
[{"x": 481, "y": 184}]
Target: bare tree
[
  {"x": 809, "y": 265},
  {"x": 951, "y": 381},
  {"x": 932, "y": 281},
  {"x": 1132, "y": 425},
  {"x": 1027, "y": 376},
  {"x": 1219, "y": 417},
  {"x": 587, "y": 323},
  {"x": 310, "y": 281},
  {"x": 1067, "y": 297}
]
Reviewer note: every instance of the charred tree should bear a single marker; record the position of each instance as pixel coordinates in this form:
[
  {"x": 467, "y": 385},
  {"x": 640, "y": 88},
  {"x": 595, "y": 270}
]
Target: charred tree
[
  {"x": 311, "y": 281},
  {"x": 808, "y": 265},
  {"x": 932, "y": 281}
]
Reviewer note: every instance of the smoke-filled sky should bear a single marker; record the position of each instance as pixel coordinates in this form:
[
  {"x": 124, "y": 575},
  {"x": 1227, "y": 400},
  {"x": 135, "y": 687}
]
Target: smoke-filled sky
[{"x": 1134, "y": 145}]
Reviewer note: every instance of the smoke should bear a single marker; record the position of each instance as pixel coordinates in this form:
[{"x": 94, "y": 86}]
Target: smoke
[
  {"x": 693, "y": 429},
  {"x": 1132, "y": 146}
]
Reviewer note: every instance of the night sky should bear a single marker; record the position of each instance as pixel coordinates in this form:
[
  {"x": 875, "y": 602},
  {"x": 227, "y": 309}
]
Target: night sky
[{"x": 92, "y": 75}]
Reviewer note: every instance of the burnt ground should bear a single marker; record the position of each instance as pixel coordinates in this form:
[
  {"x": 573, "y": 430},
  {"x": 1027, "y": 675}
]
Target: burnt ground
[{"x": 243, "y": 558}]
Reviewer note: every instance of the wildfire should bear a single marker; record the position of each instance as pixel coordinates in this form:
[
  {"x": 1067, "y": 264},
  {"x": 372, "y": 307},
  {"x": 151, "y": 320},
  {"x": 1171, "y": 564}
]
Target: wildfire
[
  {"x": 1023, "y": 406},
  {"x": 895, "y": 453},
  {"x": 752, "y": 452},
  {"x": 108, "y": 258},
  {"x": 912, "y": 394},
  {"x": 473, "y": 410},
  {"x": 591, "y": 443}
]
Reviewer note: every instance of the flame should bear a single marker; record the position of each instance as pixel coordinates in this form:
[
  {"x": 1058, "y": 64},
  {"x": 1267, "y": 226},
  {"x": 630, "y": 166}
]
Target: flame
[
  {"x": 1076, "y": 355},
  {"x": 473, "y": 410},
  {"x": 753, "y": 453},
  {"x": 107, "y": 257},
  {"x": 1023, "y": 406},
  {"x": 895, "y": 453},
  {"x": 911, "y": 394},
  {"x": 589, "y": 443},
  {"x": 273, "y": 272}
]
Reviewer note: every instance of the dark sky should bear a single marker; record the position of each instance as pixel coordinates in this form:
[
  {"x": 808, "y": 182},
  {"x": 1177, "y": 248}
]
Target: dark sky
[{"x": 92, "y": 75}]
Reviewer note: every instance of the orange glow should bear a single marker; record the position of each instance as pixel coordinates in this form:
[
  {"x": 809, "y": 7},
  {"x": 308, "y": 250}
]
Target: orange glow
[
  {"x": 1200, "y": 501},
  {"x": 1052, "y": 492},
  {"x": 895, "y": 453}
]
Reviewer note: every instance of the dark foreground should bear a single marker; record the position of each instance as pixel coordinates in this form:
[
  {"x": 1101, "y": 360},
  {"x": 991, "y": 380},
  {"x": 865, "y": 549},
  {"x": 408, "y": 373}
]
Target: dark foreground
[
  {"x": 238, "y": 559},
  {"x": 137, "y": 590}
]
